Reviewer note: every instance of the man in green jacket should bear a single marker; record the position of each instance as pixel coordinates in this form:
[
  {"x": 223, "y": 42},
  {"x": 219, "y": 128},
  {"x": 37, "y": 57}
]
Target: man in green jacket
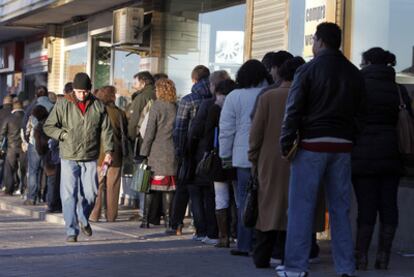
[
  {"x": 80, "y": 123},
  {"x": 144, "y": 84}
]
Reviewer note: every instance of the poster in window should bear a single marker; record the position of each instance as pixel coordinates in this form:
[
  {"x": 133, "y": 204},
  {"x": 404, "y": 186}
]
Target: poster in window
[
  {"x": 229, "y": 47},
  {"x": 316, "y": 12}
]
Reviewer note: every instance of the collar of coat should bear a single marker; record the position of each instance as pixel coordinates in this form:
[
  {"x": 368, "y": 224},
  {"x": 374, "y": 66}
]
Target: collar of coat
[{"x": 72, "y": 98}]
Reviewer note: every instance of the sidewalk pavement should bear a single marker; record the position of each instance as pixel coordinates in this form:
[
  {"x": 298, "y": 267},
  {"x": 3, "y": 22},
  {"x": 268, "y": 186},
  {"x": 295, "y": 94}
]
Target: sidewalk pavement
[{"x": 32, "y": 243}]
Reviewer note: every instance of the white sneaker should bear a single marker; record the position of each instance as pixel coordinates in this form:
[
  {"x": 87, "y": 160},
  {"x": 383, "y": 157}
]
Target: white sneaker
[
  {"x": 198, "y": 238},
  {"x": 210, "y": 241},
  {"x": 275, "y": 262},
  {"x": 281, "y": 272}
]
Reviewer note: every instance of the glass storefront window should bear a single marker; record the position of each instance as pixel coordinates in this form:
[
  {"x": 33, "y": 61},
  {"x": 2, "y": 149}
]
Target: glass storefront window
[
  {"x": 200, "y": 32},
  {"x": 389, "y": 26},
  {"x": 75, "y": 57},
  {"x": 101, "y": 60},
  {"x": 126, "y": 65}
]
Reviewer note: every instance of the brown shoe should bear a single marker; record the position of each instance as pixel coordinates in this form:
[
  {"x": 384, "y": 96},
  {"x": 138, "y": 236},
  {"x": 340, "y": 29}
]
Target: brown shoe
[{"x": 179, "y": 230}]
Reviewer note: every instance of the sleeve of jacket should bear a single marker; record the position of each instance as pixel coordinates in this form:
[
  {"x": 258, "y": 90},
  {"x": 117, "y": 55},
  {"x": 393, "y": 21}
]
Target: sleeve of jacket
[
  {"x": 213, "y": 117},
  {"x": 107, "y": 134},
  {"x": 294, "y": 111},
  {"x": 149, "y": 133},
  {"x": 26, "y": 118},
  {"x": 257, "y": 131},
  {"x": 3, "y": 130},
  {"x": 227, "y": 127},
  {"x": 135, "y": 112},
  {"x": 361, "y": 107},
  {"x": 182, "y": 121},
  {"x": 53, "y": 124},
  {"x": 197, "y": 126}
]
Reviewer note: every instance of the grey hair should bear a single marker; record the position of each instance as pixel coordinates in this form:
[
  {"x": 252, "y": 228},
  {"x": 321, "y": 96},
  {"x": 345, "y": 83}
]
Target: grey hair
[{"x": 218, "y": 76}]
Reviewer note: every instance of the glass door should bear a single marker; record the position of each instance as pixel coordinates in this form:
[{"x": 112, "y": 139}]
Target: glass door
[{"x": 101, "y": 60}]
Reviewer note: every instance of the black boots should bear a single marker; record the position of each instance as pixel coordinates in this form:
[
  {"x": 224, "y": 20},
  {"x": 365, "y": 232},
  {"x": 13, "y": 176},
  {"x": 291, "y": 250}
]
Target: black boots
[
  {"x": 221, "y": 216},
  {"x": 146, "y": 212},
  {"x": 363, "y": 241},
  {"x": 385, "y": 238},
  {"x": 167, "y": 198}
]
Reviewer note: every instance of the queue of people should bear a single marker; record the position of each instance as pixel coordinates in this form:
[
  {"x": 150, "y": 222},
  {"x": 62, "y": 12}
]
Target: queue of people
[{"x": 308, "y": 132}]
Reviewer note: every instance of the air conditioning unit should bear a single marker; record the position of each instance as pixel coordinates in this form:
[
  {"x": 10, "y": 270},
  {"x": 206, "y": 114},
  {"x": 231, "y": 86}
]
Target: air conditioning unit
[{"x": 127, "y": 26}]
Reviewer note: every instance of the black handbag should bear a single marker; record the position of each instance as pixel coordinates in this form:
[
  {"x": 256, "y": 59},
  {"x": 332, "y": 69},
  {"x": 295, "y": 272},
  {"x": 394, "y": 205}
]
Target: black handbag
[
  {"x": 210, "y": 164},
  {"x": 251, "y": 208}
]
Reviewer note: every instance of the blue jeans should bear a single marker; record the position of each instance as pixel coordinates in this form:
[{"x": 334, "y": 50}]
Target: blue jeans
[
  {"x": 78, "y": 190},
  {"x": 35, "y": 169},
  {"x": 308, "y": 171},
  {"x": 244, "y": 235}
]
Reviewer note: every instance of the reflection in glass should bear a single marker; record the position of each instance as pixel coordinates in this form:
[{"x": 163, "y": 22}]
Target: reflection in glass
[
  {"x": 201, "y": 33},
  {"x": 125, "y": 67},
  {"x": 75, "y": 61},
  {"x": 101, "y": 60}
]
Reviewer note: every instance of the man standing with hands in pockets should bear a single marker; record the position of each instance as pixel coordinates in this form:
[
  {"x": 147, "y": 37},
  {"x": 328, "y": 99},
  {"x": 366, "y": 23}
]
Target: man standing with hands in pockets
[{"x": 80, "y": 123}]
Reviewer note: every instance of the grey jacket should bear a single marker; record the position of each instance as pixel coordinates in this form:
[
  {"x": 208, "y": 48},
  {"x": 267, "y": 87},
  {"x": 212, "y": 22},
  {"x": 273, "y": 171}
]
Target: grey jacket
[
  {"x": 235, "y": 125},
  {"x": 158, "y": 143}
]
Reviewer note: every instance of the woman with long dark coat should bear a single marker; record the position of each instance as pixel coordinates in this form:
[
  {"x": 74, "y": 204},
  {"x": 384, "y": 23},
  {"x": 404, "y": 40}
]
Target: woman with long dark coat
[{"x": 376, "y": 163}]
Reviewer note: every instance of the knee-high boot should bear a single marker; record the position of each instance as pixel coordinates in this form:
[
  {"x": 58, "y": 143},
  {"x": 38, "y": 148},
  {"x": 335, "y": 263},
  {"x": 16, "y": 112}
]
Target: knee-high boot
[
  {"x": 386, "y": 236},
  {"x": 363, "y": 241},
  {"x": 167, "y": 198},
  {"x": 222, "y": 223},
  {"x": 147, "y": 208}
]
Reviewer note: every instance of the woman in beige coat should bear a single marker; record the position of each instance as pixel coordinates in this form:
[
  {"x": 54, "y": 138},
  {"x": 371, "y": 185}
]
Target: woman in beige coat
[{"x": 273, "y": 171}]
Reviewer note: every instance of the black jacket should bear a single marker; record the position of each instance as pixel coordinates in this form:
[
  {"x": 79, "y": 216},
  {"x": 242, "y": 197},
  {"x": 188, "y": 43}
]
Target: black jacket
[
  {"x": 376, "y": 148},
  {"x": 198, "y": 141},
  {"x": 11, "y": 130},
  {"x": 4, "y": 112},
  {"x": 325, "y": 99}
]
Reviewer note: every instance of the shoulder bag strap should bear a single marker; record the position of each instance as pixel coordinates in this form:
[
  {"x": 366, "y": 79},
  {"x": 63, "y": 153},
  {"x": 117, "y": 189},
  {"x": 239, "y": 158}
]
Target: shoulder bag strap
[{"x": 402, "y": 106}]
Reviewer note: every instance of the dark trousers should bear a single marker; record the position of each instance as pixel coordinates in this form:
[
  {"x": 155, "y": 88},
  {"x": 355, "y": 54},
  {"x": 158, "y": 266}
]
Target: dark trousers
[
  {"x": 377, "y": 195},
  {"x": 53, "y": 190},
  {"x": 179, "y": 205},
  {"x": 11, "y": 170},
  {"x": 156, "y": 208},
  {"x": 203, "y": 207},
  {"x": 1, "y": 172},
  {"x": 271, "y": 244}
]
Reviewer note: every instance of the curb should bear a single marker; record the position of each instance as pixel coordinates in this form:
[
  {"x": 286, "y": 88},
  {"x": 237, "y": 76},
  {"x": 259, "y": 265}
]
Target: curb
[{"x": 39, "y": 215}]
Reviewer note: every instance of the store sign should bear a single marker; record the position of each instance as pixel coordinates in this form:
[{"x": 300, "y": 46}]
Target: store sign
[{"x": 316, "y": 11}]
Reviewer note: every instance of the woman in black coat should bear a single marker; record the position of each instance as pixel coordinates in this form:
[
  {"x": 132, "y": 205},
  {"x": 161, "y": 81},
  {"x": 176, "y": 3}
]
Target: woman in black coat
[{"x": 376, "y": 163}]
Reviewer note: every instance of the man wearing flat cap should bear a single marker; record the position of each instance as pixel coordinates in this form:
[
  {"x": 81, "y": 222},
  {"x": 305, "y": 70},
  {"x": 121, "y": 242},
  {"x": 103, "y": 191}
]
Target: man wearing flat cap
[{"x": 80, "y": 123}]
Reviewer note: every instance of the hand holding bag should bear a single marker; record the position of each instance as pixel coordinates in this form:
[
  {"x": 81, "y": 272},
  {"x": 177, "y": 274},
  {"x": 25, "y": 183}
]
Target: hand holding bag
[{"x": 251, "y": 208}]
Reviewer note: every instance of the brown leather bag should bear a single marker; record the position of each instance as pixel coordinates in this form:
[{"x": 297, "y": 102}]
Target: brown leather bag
[{"x": 405, "y": 129}]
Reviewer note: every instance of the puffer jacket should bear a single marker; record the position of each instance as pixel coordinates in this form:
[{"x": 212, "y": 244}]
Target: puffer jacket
[
  {"x": 80, "y": 135},
  {"x": 376, "y": 149}
]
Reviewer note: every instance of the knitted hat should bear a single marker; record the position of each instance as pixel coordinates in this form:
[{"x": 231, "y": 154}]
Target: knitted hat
[
  {"x": 7, "y": 100},
  {"x": 82, "y": 81},
  {"x": 17, "y": 105}
]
